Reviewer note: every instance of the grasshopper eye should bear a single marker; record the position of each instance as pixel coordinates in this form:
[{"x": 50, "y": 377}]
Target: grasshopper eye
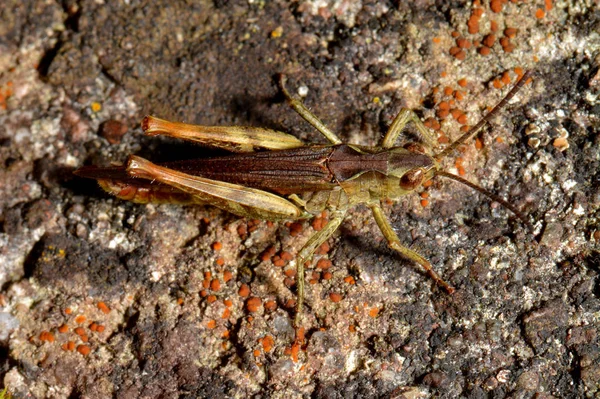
[{"x": 412, "y": 179}]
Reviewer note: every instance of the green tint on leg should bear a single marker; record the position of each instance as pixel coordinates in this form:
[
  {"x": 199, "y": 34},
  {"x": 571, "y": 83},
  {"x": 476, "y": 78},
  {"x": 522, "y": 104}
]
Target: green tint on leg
[
  {"x": 306, "y": 253},
  {"x": 394, "y": 243},
  {"x": 307, "y": 115},
  {"x": 398, "y": 124}
]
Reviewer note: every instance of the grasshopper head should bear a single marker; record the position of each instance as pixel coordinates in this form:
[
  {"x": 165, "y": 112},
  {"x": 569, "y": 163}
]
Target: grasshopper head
[{"x": 408, "y": 168}]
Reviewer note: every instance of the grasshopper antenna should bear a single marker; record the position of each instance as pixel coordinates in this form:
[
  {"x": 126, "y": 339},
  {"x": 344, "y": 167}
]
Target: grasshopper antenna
[
  {"x": 469, "y": 135},
  {"x": 491, "y": 196},
  {"x": 475, "y": 129}
]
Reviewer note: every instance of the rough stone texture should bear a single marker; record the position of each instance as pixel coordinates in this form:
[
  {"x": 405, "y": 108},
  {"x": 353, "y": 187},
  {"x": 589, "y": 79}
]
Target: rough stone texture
[{"x": 76, "y": 77}]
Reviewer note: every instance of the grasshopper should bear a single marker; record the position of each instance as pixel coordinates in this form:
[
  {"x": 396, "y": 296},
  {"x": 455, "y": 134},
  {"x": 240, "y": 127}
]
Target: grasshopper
[{"x": 289, "y": 180}]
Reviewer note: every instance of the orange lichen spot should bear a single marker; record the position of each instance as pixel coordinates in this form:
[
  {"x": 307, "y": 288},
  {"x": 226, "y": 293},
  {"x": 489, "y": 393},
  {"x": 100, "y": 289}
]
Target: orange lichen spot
[
  {"x": 427, "y": 183},
  {"x": 84, "y": 338},
  {"x": 267, "y": 343},
  {"x": 290, "y": 272},
  {"x": 489, "y": 40},
  {"x": 539, "y": 13},
  {"x": 256, "y": 353},
  {"x": 323, "y": 264},
  {"x": 277, "y": 261},
  {"x": 318, "y": 223},
  {"x": 327, "y": 276},
  {"x": 203, "y": 293},
  {"x": 93, "y": 327},
  {"x": 505, "y": 78},
  {"x": 424, "y": 203},
  {"x": 484, "y": 50},
  {"x": 335, "y": 297},
  {"x": 270, "y": 305},
  {"x": 211, "y": 324},
  {"x": 497, "y": 84},
  {"x": 443, "y": 140},
  {"x": 454, "y": 34},
  {"x": 444, "y": 106},
  {"x": 220, "y": 261},
  {"x": 461, "y": 170},
  {"x": 46, "y": 336},
  {"x": 103, "y": 307},
  {"x": 454, "y": 50},
  {"x": 253, "y": 304},
  {"x": 244, "y": 291},
  {"x": 499, "y": 140},
  {"x": 437, "y": 40},
  {"x": 84, "y": 349},
  {"x": 63, "y": 328},
  {"x": 268, "y": 253},
  {"x": 463, "y": 43},
  {"x": 548, "y": 4},
  {"x": 458, "y": 95},
  {"x": 478, "y": 143},
  {"x": 211, "y": 299},
  {"x": 295, "y": 229},
  {"x": 79, "y": 331},
  {"x": 374, "y": 312},
  {"x": 510, "y": 32},
  {"x": 225, "y": 334},
  {"x": 290, "y": 303},
  {"x": 68, "y": 311},
  {"x": 462, "y": 119},
  {"x": 289, "y": 282},
  {"x": 493, "y": 26},
  {"x": 180, "y": 301},
  {"x": 424, "y": 195},
  {"x": 217, "y": 246},
  {"x": 496, "y": 5},
  {"x": 228, "y": 302},
  {"x": 519, "y": 71},
  {"x": 313, "y": 281},
  {"x": 100, "y": 328},
  {"x": 461, "y": 55},
  {"x": 442, "y": 113},
  {"x": 507, "y": 46},
  {"x": 443, "y": 74},
  {"x": 215, "y": 284},
  {"x": 462, "y": 82},
  {"x": 96, "y": 106},
  {"x": 80, "y": 319},
  {"x": 456, "y": 113},
  {"x": 227, "y": 275},
  {"x": 349, "y": 280},
  {"x": 294, "y": 351},
  {"x": 352, "y": 328},
  {"x": 473, "y": 24},
  {"x": 465, "y": 128},
  {"x": 226, "y": 313},
  {"x": 206, "y": 283},
  {"x": 285, "y": 255},
  {"x": 448, "y": 91}
]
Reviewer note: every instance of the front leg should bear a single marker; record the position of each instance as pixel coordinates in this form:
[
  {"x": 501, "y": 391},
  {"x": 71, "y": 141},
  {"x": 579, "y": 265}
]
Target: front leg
[
  {"x": 405, "y": 116},
  {"x": 306, "y": 253},
  {"x": 394, "y": 243}
]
